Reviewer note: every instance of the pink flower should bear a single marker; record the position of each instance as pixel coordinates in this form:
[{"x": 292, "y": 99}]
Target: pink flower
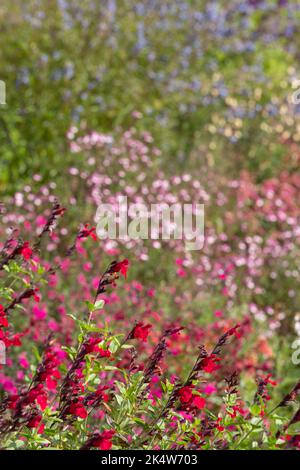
[
  {"x": 209, "y": 389},
  {"x": 151, "y": 292},
  {"x": 39, "y": 312},
  {"x": 218, "y": 314},
  {"x": 23, "y": 362},
  {"x": 181, "y": 272},
  {"x": 53, "y": 325}
]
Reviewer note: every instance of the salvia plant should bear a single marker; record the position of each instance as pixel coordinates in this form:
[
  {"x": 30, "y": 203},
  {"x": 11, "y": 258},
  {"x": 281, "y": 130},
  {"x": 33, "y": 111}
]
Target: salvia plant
[{"x": 95, "y": 387}]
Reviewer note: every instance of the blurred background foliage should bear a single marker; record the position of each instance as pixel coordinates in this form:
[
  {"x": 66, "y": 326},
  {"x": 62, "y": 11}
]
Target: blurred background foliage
[{"x": 212, "y": 79}]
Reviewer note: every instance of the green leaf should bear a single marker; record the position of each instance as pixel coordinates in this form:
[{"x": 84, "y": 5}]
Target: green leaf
[
  {"x": 99, "y": 305},
  {"x": 255, "y": 410}
]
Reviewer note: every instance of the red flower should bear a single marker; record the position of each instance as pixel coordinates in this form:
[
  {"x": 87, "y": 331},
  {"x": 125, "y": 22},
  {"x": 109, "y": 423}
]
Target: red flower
[
  {"x": 141, "y": 331},
  {"x": 219, "y": 426},
  {"x": 97, "y": 396},
  {"x": 15, "y": 340},
  {"x": 26, "y": 251},
  {"x": 92, "y": 346},
  {"x": 12, "y": 402},
  {"x": 199, "y": 402},
  {"x": 233, "y": 331},
  {"x": 42, "y": 401},
  {"x": 36, "y": 297},
  {"x": 77, "y": 409},
  {"x": 3, "y": 319},
  {"x": 262, "y": 413},
  {"x": 100, "y": 392},
  {"x": 269, "y": 381},
  {"x": 235, "y": 410},
  {"x": 51, "y": 384},
  {"x": 209, "y": 364},
  {"x": 103, "y": 440},
  {"x": 28, "y": 293},
  {"x": 38, "y": 395},
  {"x": 87, "y": 232},
  {"x": 293, "y": 440},
  {"x": 121, "y": 267},
  {"x": 185, "y": 395},
  {"x": 34, "y": 422},
  {"x": 48, "y": 371},
  {"x": 104, "y": 352}
]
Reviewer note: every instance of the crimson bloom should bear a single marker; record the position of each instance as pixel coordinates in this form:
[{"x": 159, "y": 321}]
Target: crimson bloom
[
  {"x": 39, "y": 395},
  {"x": 47, "y": 371},
  {"x": 77, "y": 409},
  {"x": 92, "y": 346},
  {"x": 185, "y": 395},
  {"x": 219, "y": 425},
  {"x": 12, "y": 401},
  {"x": 209, "y": 364},
  {"x": 87, "y": 231},
  {"x": 3, "y": 319},
  {"x": 11, "y": 340},
  {"x": 102, "y": 441},
  {"x": 35, "y": 422},
  {"x": 121, "y": 267},
  {"x": 234, "y": 331},
  {"x": 103, "y": 352},
  {"x": 236, "y": 409},
  {"x": 199, "y": 402},
  {"x": 269, "y": 381},
  {"x": 97, "y": 397},
  {"x": 141, "y": 331},
  {"x": 26, "y": 251}
]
